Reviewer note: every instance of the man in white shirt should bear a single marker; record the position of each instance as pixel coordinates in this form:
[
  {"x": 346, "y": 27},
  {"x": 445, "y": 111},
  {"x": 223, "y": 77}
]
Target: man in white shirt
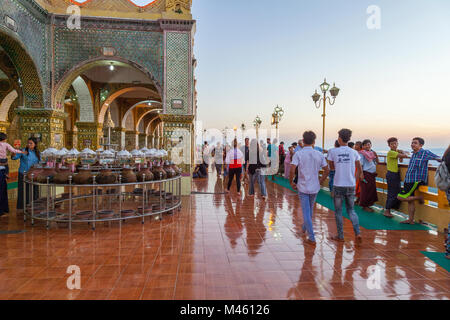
[
  {"x": 344, "y": 160},
  {"x": 309, "y": 162}
]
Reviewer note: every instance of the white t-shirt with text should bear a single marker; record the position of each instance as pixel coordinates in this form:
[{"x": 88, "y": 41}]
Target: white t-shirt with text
[
  {"x": 344, "y": 159},
  {"x": 309, "y": 163}
]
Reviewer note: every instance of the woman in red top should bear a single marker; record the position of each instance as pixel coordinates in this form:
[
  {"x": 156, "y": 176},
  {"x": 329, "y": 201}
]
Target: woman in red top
[{"x": 234, "y": 161}]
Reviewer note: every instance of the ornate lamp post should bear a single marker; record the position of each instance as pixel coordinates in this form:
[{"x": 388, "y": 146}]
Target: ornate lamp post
[
  {"x": 277, "y": 115},
  {"x": 318, "y": 99},
  {"x": 257, "y": 124}
]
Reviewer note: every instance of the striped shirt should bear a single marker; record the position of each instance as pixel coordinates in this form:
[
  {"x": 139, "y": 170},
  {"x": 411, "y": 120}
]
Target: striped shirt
[{"x": 418, "y": 166}]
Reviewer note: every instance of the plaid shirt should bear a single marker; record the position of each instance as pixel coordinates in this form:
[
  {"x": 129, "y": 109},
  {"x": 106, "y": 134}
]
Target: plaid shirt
[{"x": 418, "y": 166}]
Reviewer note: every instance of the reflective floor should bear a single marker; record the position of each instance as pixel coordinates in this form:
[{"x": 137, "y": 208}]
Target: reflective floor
[{"x": 220, "y": 247}]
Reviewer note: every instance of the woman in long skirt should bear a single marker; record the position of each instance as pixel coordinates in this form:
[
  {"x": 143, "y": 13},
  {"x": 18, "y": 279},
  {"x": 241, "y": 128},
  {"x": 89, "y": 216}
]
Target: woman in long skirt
[
  {"x": 369, "y": 186},
  {"x": 287, "y": 162}
]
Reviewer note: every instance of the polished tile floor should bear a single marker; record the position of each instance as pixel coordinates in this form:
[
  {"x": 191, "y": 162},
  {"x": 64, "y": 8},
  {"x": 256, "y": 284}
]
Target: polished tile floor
[{"x": 220, "y": 247}]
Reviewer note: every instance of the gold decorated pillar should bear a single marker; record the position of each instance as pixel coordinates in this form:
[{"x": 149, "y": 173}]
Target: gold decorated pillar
[
  {"x": 89, "y": 134},
  {"x": 131, "y": 140},
  {"x": 178, "y": 132},
  {"x": 142, "y": 140},
  {"x": 4, "y": 126},
  {"x": 45, "y": 124}
]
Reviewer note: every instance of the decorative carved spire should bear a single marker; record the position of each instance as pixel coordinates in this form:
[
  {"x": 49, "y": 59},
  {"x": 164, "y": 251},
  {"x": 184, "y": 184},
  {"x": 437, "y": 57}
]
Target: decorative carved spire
[{"x": 109, "y": 123}]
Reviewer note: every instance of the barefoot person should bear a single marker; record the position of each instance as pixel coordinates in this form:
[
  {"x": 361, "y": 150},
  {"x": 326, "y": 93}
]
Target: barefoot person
[
  {"x": 344, "y": 160},
  {"x": 369, "y": 161},
  {"x": 393, "y": 176},
  {"x": 309, "y": 162},
  {"x": 234, "y": 160},
  {"x": 416, "y": 175}
]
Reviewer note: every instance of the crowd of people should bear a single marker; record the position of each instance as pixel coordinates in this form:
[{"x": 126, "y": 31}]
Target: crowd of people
[{"x": 351, "y": 168}]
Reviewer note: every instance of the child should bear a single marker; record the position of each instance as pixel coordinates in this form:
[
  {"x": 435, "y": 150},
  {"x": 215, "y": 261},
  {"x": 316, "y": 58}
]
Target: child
[
  {"x": 4, "y": 146},
  {"x": 4, "y": 170},
  {"x": 393, "y": 176}
]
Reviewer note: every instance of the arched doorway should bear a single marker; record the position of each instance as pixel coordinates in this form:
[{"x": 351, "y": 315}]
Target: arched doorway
[{"x": 96, "y": 87}]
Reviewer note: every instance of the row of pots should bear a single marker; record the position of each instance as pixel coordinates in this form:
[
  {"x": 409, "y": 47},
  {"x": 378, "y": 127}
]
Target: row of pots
[{"x": 106, "y": 176}]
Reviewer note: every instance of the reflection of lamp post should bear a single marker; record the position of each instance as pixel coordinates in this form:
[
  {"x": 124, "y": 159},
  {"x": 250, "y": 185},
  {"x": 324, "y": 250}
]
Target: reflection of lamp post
[
  {"x": 277, "y": 115},
  {"x": 257, "y": 124},
  {"x": 235, "y": 130},
  {"x": 318, "y": 99}
]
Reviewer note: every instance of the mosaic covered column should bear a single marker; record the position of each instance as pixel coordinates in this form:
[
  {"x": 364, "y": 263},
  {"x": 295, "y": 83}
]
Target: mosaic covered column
[
  {"x": 150, "y": 143},
  {"x": 89, "y": 134},
  {"x": 178, "y": 98},
  {"x": 70, "y": 139},
  {"x": 178, "y": 137},
  {"x": 142, "y": 140},
  {"x": 116, "y": 136},
  {"x": 45, "y": 124},
  {"x": 131, "y": 140}
]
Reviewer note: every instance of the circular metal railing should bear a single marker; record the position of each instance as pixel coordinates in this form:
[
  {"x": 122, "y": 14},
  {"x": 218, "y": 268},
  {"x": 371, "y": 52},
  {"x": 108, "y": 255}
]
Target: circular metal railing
[{"x": 95, "y": 203}]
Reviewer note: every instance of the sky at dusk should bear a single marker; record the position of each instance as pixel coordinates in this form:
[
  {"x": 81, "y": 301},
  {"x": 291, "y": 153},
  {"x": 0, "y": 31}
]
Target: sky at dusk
[{"x": 395, "y": 81}]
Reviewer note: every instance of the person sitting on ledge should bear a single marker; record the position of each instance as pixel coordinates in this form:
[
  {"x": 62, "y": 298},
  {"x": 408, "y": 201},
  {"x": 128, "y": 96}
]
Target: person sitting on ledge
[{"x": 416, "y": 175}]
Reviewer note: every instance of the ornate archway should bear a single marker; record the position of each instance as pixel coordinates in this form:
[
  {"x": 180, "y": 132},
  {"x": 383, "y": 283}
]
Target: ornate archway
[
  {"x": 25, "y": 66},
  {"x": 125, "y": 116},
  {"x": 66, "y": 81},
  {"x": 117, "y": 94}
]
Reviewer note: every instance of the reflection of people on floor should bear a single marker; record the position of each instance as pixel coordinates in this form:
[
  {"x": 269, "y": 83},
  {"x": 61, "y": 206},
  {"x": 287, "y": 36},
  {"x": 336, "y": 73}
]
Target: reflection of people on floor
[
  {"x": 307, "y": 286},
  {"x": 254, "y": 224},
  {"x": 233, "y": 223}
]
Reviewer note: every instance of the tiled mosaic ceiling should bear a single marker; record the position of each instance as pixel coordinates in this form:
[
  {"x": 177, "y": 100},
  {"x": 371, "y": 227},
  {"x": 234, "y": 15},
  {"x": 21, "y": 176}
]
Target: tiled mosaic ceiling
[{"x": 73, "y": 47}]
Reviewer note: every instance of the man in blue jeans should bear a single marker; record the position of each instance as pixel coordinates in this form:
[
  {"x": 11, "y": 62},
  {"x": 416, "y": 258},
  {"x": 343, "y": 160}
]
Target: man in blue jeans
[
  {"x": 344, "y": 160},
  {"x": 309, "y": 162}
]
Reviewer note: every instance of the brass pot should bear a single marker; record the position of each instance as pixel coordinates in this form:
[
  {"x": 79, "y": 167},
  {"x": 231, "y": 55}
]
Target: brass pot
[
  {"x": 62, "y": 177},
  {"x": 148, "y": 175},
  {"x": 159, "y": 173},
  {"x": 35, "y": 171},
  {"x": 176, "y": 168},
  {"x": 106, "y": 177},
  {"x": 128, "y": 175},
  {"x": 169, "y": 170},
  {"x": 47, "y": 172},
  {"x": 84, "y": 176}
]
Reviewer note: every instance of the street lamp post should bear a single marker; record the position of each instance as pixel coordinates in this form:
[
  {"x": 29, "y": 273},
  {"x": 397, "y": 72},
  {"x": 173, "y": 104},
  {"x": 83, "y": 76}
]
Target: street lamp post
[
  {"x": 318, "y": 100},
  {"x": 257, "y": 124},
  {"x": 277, "y": 115}
]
